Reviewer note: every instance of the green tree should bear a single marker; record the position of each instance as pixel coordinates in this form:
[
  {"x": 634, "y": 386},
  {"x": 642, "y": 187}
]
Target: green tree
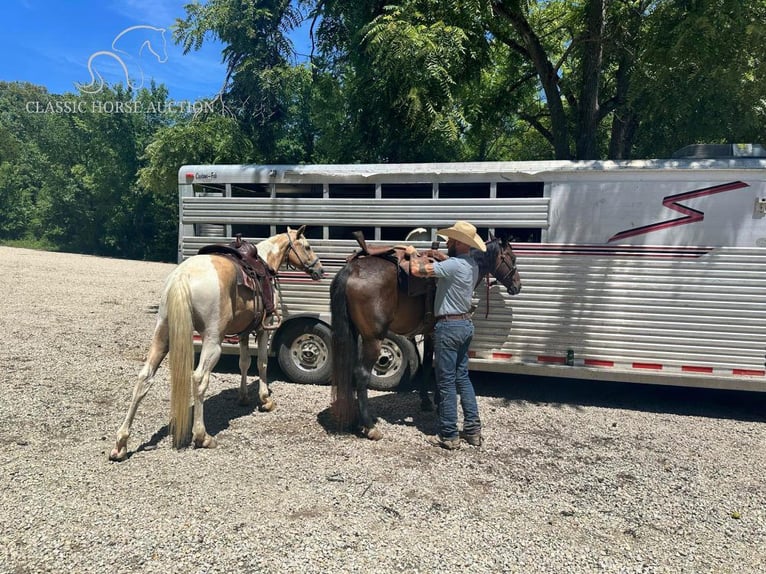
[
  {"x": 263, "y": 89},
  {"x": 213, "y": 138}
]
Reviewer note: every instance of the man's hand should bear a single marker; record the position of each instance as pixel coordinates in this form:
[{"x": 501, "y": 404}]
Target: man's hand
[
  {"x": 436, "y": 255},
  {"x": 411, "y": 251}
]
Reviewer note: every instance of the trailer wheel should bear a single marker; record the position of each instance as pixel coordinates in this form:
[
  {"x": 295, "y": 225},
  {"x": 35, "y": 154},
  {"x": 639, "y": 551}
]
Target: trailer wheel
[
  {"x": 396, "y": 365},
  {"x": 304, "y": 352}
]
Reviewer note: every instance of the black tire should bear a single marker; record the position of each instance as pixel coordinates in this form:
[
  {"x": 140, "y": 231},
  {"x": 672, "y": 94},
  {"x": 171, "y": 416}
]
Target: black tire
[
  {"x": 304, "y": 352},
  {"x": 397, "y": 364}
]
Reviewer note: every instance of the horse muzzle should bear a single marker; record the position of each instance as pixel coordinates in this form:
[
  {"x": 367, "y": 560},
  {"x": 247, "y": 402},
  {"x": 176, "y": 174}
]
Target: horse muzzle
[{"x": 317, "y": 274}]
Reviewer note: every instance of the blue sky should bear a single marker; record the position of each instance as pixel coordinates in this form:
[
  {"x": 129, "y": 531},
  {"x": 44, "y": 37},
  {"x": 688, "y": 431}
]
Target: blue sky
[{"x": 50, "y": 43}]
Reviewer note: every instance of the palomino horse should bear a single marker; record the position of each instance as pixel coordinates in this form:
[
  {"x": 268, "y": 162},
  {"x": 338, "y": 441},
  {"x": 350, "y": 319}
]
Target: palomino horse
[
  {"x": 366, "y": 302},
  {"x": 203, "y": 294}
]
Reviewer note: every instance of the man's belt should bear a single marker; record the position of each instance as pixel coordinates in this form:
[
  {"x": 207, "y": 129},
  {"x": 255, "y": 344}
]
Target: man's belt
[{"x": 456, "y": 317}]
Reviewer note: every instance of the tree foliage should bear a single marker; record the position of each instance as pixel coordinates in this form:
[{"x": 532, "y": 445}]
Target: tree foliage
[{"x": 410, "y": 80}]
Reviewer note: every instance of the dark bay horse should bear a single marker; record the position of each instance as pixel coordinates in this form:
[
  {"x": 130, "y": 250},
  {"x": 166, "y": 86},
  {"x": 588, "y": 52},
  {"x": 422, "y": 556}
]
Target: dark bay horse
[
  {"x": 203, "y": 294},
  {"x": 366, "y": 303}
]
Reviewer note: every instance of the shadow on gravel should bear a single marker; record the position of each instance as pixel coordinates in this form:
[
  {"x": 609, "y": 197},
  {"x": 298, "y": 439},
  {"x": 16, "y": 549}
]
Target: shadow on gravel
[
  {"x": 712, "y": 403},
  {"x": 396, "y": 408},
  {"x": 404, "y": 407},
  {"x": 220, "y": 410}
]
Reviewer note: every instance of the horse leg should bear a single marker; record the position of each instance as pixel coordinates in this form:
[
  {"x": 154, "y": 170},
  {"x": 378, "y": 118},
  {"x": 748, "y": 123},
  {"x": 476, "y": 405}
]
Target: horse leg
[
  {"x": 157, "y": 352},
  {"x": 363, "y": 372},
  {"x": 209, "y": 355},
  {"x": 427, "y": 382},
  {"x": 265, "y": 402},
  {"x": 244, "y": 366}
]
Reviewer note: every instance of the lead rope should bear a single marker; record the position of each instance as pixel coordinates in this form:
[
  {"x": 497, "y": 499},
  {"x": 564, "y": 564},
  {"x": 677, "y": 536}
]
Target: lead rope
[
  {"x": 276, "y": 320},
  {"x": 486, "y": 279}
]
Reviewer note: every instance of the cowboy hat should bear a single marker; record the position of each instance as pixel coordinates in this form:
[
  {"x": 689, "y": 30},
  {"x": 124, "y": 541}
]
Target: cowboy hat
[{"x": 465, "y": 233}]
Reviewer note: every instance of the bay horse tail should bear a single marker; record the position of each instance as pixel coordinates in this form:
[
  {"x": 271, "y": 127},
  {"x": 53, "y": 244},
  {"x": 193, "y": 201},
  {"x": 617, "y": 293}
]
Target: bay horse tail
[
  {"x": 181, "y": 357},
  {"x": 345, "y": 353}
]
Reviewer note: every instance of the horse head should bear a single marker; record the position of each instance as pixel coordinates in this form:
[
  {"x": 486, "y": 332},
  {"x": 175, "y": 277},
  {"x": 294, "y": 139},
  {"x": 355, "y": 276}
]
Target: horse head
[
  {"x": 499, "y": 260},
  {"x": 157, "y": 44},
  {"x": 301, "y": 255}
]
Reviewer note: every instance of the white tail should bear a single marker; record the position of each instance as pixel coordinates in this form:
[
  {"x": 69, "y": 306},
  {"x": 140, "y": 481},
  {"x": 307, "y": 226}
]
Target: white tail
[{"x": 181, "y": 358}]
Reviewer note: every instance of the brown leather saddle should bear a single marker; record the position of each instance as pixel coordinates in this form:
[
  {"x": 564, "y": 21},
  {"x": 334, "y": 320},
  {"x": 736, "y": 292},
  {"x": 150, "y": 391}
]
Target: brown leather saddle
[
  {"x": 396, "y": 254},
  {"x": 252, "y": 272}
]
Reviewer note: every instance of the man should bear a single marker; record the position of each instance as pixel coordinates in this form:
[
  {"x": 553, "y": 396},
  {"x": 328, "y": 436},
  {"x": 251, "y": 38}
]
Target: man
[{"x": 453, "y": 332}]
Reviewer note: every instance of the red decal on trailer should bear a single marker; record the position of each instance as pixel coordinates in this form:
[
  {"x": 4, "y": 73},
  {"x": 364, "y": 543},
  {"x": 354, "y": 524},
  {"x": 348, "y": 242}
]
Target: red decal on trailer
[
  {"x": 598, "y": 363},
  {"x": 643, "y": 251},
  {"x": 502, "y": 355},
  {"x": 653, "y": 366},
  {"x": 693, "y": 369},
  {"x": 689, "y": 215}
]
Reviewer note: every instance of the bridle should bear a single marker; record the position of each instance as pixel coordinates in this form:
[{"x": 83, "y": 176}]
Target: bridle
[
  {"x": 310, "y": 266},
  {"x": 509, "y": 265}
]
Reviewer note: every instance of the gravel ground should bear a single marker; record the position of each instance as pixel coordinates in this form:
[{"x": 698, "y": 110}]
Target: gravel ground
[{"x": 573, "y": 477}]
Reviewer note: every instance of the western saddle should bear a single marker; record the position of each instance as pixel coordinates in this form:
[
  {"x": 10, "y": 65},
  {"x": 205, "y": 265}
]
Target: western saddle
[
  {"x": 408, "y": 283},
  {"x": 252, "y": 272}
]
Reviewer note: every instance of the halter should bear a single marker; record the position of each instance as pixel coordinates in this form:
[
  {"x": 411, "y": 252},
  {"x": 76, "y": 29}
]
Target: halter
[
  {"x": 504, "y": 261},
  {"x": 307, "y": 266},
  {"x": 511, "y": 266}
]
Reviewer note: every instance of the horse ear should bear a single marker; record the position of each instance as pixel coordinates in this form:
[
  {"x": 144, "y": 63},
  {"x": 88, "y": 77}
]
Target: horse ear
[{"x": 300, "y": 231}]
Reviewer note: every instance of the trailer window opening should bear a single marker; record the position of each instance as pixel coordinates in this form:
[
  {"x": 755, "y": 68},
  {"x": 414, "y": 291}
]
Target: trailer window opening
[
  {"x": 300, "y": 190},
  {"x": 346, "y": 232},
  {"x": 511, "y": 189},
  {"x": 251, "y": 231},
  {"x": 250, "y": 190},
  {"x": 464, "y": 190},
  {"x": 209, "y": 190},
  {"x": 406, "y": 191},
  {"x": 351, "y": 191},
  {"x": 519, "y": 234}
]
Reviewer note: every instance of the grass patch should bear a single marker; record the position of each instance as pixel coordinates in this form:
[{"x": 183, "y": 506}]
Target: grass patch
[{"x": 37, "y": 244}]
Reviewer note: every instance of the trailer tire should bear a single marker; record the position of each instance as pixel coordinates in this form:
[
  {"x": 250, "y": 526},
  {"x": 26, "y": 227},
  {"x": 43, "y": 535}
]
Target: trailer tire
[
  {"x": 304, "y": 352},
  {"x": 397, "y": 364}
]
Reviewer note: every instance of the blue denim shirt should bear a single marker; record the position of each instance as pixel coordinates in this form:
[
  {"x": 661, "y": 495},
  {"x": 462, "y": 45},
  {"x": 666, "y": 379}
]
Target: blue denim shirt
[{"x": 454, "y": 289}]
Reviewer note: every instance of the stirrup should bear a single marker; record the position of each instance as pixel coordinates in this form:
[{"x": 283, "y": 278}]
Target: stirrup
[{"x": 272, "y": 322}]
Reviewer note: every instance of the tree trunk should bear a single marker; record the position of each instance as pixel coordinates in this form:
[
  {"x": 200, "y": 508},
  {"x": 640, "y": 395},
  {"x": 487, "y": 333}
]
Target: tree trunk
[
  {"x": 546, "y": 72},
  {"x": 588, "y": 116}
]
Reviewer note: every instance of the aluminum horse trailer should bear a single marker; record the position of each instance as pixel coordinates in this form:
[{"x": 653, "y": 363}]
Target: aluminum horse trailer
[{"x": 648, "y": 271}]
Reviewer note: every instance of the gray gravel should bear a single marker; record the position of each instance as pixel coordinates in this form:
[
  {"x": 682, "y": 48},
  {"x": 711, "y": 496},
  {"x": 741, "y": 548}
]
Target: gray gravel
[{"x": 573, "y": 477}]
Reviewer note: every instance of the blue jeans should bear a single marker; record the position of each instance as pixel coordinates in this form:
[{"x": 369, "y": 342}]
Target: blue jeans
[{"x": 451, "y": 342}]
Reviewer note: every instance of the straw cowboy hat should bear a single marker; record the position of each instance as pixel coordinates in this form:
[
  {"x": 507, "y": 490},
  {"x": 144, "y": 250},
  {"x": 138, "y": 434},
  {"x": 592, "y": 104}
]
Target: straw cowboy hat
[{"x": 465, "y": 233}]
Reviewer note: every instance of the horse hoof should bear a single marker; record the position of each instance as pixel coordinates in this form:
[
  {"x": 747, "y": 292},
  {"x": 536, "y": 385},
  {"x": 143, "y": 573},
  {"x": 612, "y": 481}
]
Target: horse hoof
[
  {"x": 207, "y": 442},
  {"x": 118, "y": 454},
  {"x": 268, "y": 406},
  {"x": 373, "y": 434}
]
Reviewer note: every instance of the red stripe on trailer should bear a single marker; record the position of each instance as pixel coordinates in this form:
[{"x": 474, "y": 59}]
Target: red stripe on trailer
[
  {"x": 748, "y": 372},
  {"x": 693, "y": 369},
  {"x": 598, "y": 363},
  {"x": 472, "y": 354},
  {"x": 496, "y": 355},
  {"x": 652, "y": 366}
]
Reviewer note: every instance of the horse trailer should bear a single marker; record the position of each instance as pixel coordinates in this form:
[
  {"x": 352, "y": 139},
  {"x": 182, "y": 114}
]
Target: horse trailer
[{"x": 648, "y": 271}]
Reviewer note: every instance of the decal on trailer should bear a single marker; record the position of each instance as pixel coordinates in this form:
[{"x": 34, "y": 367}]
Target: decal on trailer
[{"x": 672, "y": 202}]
